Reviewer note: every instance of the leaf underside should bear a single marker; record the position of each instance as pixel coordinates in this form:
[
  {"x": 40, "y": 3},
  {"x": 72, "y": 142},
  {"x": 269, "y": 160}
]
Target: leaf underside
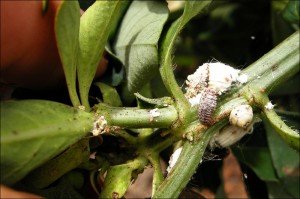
[{"x": 34, "y": 131}]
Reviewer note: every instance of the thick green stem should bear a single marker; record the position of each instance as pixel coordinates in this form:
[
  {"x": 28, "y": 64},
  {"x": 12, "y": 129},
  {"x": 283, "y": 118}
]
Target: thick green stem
[
  {"x": 138, "y": 118},
  {"x": 277, "y": 66},
  {"x": 186, "y": 165},
  {"x": 271, "y": 61},
  {"x": 280, "y": 73}
]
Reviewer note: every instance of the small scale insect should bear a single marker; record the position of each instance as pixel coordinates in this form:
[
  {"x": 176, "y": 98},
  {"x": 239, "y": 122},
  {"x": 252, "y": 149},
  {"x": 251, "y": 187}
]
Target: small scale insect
[{"x": 207, "y": 105}]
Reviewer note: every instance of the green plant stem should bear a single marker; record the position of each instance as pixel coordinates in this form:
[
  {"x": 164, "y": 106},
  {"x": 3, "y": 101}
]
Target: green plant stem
[
  {"x": 271, "y": 70},
  {"x": 119, "y": 177},
  {"x": 166, "y": 68},
  {"x": 260, "y": 100},
  {"x": 288, "y": 134},
  {"x": 137, "y": 118},
  {"x": 286, "y": 69},
  {"x": 270, "y": 61},
  {"x": 158, "y": 142},
  {"x": 98, "y": 162},
  {"x": 191, "y": 9},
  {"x": 275, "y": 67},
  {"x": 186, "y": 165},
  {"x": 158, "y": 177},
  {"x": 92, "y": 181},
  {"x": 129, "y": 138}
]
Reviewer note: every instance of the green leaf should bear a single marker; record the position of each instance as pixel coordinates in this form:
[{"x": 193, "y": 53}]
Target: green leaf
[
  {"x": 95, "y": 26},
  {"x": 115, "y": 72},
  {"x": 259, "y": 160},
  {"x": 156, "y": 103},
  {"x": 34, "y": 131},
  {"x": 137, "y": 41},
  {"x": 119, "y": 17},
  {"x": 191, "y": 9},
  {"x": 286, "y": 161},
  {"x": 55, "y": 168},
  {"x": 291, "y": 12},
  {"x": 109, "y": 94},
  {"x": 281, "y": 27},
  {"x": 67, "y": 34}
]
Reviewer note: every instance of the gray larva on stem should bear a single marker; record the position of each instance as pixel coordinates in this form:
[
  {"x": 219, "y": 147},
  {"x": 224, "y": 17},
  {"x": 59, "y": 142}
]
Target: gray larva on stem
[{"x": 207, "y": 105}]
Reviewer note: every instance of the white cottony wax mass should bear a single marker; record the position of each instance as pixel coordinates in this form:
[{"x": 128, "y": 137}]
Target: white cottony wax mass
[
  {"x": 99, "y": 126},
  {"x": 173, "y": 159},
  {"x": 216, "y": 76}
]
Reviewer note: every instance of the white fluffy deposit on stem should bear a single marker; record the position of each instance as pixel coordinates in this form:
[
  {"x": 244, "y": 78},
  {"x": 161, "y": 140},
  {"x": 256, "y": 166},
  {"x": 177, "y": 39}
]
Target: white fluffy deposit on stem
[
  {"x": 173, "y": 159},
  {"x": 217, "y": 76},
  {"x": 243, "y": 78},
  {"x": 269, "y": 106},
  {"x": 153, "y": 113},
  {"x": 99, "y": 126}
]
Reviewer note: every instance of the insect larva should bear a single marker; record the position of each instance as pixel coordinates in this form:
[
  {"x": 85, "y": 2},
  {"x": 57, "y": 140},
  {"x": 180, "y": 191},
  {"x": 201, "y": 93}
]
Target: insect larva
[{"x": 207, "y": 105}]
